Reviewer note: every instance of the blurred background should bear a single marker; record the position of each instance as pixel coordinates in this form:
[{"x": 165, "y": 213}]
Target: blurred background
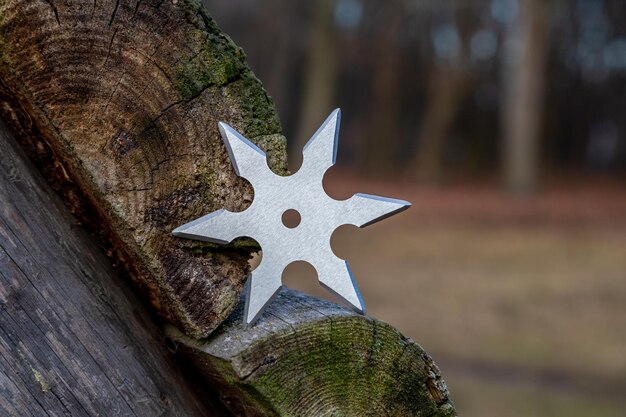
[{"x": 504, "y": 123}]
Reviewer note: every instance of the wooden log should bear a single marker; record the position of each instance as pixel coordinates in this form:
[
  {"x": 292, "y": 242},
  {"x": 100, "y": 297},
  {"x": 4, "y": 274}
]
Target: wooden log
[
  {"x": 309, "y": 357},
  {"x": 119, "y": 100},
  {"x": 73, "y": 339}
]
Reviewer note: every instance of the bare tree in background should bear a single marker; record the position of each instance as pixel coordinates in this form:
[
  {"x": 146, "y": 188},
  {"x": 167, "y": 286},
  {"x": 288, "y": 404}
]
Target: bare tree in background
[
  {"x": 301, "y": 49},
  {"x": 382, "y": 139},
  {"x": 449, "y": 83},
  {"x": 320, "y": 78},
  {"x": 524, "y": 76}
]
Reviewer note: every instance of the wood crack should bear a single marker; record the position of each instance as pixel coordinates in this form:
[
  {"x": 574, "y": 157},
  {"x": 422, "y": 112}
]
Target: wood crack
[
  {"x": 136, "y": 10},
  {"x": 109, "y": 49},
  {"x": 54, "y": 10},
  {"x": 117, "y": 3}
]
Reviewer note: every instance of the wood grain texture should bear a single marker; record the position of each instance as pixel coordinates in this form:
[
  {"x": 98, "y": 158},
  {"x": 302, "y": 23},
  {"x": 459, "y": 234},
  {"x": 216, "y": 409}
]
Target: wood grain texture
[
  {"x": 309, "y": 357},
  {"x": 73, "y": 339},
  {"x": 119, "y": 101}
]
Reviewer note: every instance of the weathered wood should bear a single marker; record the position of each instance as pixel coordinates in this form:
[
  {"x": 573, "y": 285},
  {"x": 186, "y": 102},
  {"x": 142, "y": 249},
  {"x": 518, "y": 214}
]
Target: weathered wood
[
  {"x": 119, "y": 101},
  {"x": 73, "y": 339},
  {"x": 309, "y": 357}
]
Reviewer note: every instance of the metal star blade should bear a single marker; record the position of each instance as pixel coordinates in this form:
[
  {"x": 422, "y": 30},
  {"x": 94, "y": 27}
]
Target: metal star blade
[{"x": 303, "y": 192}]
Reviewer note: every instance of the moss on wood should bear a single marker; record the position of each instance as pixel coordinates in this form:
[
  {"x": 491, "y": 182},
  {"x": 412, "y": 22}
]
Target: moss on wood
[{"x": 308, "y": 357}]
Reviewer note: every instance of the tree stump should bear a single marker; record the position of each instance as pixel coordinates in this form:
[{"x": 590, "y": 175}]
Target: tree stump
[{"x": 118, "y": 104}]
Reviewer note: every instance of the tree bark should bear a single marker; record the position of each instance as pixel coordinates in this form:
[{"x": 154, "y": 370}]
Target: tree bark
[
  {"x": 309, "y": 357},
  {"x": 450, "y": 82},
  {"x": 447, "y": 89},
  {"x": 320, "y": 77},
  {"x": 72, "y": 338},
  {"x": 120, "y": 100},
  {"x": 524, "y": 71},
  {"x": 383, "y": 138}
]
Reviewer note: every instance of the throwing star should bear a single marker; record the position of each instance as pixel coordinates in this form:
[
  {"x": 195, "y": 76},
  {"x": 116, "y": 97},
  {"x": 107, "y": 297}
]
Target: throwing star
[{"x": 303, "y": 192}]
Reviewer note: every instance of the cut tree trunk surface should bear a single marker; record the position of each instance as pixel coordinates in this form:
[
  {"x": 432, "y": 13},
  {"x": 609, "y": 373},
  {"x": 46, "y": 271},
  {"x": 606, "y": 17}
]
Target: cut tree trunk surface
[
  {"x": 73, "y": 339},
  {"x": 121, "y": 99},
  {"x": 309, "y": 357}
]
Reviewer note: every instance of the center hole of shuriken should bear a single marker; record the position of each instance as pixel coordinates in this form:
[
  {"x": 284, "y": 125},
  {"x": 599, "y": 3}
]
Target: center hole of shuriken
[{"x": 291, "y": 218}]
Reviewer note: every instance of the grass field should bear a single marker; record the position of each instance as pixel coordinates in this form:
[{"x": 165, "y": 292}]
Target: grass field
[{"x": 521, "y": 302}]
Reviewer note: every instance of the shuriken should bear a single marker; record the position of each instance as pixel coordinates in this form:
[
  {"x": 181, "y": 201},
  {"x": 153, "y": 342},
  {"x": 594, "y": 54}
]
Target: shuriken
[{"x": 274, "y": 195}]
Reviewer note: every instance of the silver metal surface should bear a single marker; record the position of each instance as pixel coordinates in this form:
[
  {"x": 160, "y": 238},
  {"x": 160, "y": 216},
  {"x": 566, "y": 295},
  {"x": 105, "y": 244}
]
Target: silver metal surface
[{"x": 303, "y": 192}]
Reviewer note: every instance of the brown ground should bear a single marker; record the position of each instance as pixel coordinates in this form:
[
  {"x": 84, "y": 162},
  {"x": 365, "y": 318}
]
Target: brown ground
[{"x": 521, "y": 301}]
